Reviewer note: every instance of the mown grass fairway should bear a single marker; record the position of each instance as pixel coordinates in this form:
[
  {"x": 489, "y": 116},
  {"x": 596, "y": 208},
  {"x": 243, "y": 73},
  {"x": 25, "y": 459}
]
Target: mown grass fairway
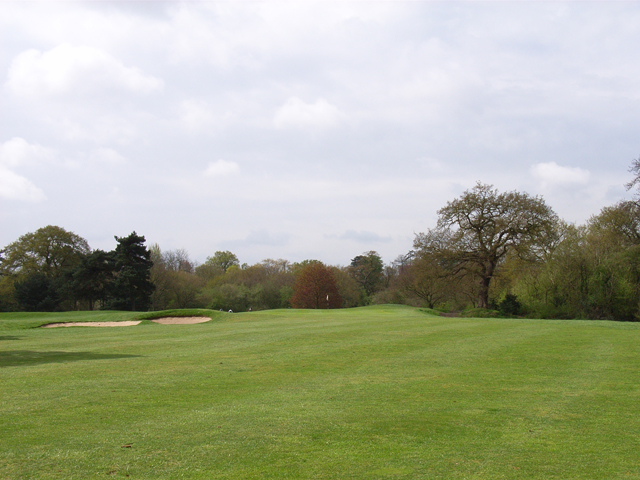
[{"x": 377, "y": 392}]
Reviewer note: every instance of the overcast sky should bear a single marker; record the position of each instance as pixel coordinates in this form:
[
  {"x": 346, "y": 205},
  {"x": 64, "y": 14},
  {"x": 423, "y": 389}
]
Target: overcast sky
[{"x": 307, "y": 129}]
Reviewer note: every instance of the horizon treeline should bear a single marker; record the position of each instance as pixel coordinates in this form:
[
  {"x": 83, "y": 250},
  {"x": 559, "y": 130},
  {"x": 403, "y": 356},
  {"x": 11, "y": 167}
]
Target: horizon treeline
[{"x": 491, "y": 253}]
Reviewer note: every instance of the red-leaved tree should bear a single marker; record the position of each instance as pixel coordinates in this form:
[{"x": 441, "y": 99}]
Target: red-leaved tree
[{"x": 315, "y": 287}]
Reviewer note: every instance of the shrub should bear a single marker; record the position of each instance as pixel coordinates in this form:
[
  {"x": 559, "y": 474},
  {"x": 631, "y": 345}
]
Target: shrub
[{"x": 510, "y": 306}]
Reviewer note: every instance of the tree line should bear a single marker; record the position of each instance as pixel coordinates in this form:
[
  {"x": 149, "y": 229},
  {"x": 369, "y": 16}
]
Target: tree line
[
  {"x": 490, "y": 253},
  {"x": 52, "y": 269}
]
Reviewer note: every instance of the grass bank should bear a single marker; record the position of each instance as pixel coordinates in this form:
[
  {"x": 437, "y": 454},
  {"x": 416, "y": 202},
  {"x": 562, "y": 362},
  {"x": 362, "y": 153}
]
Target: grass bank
[{"x": 377, "y": 392}]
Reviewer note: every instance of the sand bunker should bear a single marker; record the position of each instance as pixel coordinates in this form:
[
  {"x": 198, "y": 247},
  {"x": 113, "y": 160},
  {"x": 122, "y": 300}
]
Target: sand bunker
[
  {"x": 181, "y": 320},
  {"x": 163, "y": 321},
  {"x": 93, "y": 324}
]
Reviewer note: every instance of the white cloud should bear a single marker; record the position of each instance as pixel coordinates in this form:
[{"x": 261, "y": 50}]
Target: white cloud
[
  {"x": 107, "y": 155},
  {"x": 18, "y": 151},
  {"x": 197, "y": 116},
  {"x": 104, "y": 128},
  {"x": 17, "y": 187},
  {"x": 221, "y": 168},
  {"x": 14, "y": 153},
  {"x": 551, "y": 173},
  {"x": 297, "y": 114},
  {"x": 97, "y": 157},
  {"x": 68, "y": 69}
]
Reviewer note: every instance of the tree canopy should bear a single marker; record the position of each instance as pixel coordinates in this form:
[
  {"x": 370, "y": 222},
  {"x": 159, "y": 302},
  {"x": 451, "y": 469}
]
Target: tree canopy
[
  {"x": 475, "y": 232},
  {"x": 47, "y": 251},
  {"x": 367, "y": 269},
  {"x": 92, "y": 279},
  {"x": 33, "y": 269},
  {"x": 315, "y": 287},
  {"x": 132, "y": 286}
]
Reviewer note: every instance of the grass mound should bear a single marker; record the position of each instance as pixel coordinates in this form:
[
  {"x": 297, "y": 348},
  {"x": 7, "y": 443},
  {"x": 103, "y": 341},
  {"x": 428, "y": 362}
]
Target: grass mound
[
  {"x": 26, "y": 320},
  {"x": 186, "y": 312}
]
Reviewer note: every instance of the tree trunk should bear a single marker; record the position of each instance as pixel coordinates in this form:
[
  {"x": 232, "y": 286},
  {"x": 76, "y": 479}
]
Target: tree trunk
[
  {"x": 485, "y": 281},
  {"x": 483, "y": 293}
]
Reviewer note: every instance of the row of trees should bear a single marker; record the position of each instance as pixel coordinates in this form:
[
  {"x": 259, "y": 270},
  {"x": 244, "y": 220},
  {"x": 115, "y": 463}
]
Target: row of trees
[
  {"x": 490, "y": 250},
  {"x": 53, "y": 269},
  {"x": 221, "y": 282}
]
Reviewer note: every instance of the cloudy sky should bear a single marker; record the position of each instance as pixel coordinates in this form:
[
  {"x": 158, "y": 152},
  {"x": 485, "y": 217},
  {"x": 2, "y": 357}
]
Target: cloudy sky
[{"x": 307, "y": 129}]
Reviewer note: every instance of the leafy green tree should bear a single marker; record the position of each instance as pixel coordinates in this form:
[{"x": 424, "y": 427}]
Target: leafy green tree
[
  {"x": 37, "y": 292},
  {"x": 132, "y": 286},
  {"x": 285, "y": 293},
  {"x": 612, "y": 245},
  {"x": 41, "y": 260},
  {"x": 184, "y": 290},
  {"x": 159, "y": 276},
  {"x": 217, "y": 265},
  {"x": 350, "y": 291},
  {"x": 617, "y": 225},
  {"x": 610, "y": 264},
  {"x": 476, "y": 231},
  {"x": 315, "y": 287},
  {"x": 593, "y": 272},
  {"x": 224, "y": 259},
  {"x": 174, "y": 280},
  {"x": 228, "y": 296},
  {"x": 48, "y": 251},
  {"x": 276, "y": 284},
  {"x": 427, "y": 278},
  {"x": 367, "y": 269},
  {"x": 8, "y": 302},
  {"x": 265, "y": 285}
]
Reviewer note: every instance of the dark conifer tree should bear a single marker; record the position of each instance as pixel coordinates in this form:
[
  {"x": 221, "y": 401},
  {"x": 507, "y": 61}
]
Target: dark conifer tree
[
  {"x": 92, "y": 280},
  {"x": 132, "y": 287}
]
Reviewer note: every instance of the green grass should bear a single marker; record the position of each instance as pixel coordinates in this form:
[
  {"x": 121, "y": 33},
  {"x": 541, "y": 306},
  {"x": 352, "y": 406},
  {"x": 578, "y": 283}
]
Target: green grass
[{"x": 370, "y": 393}]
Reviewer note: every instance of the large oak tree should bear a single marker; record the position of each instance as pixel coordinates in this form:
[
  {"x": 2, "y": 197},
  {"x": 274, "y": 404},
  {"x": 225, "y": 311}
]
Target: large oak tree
[{"x": 475, "y": 232}]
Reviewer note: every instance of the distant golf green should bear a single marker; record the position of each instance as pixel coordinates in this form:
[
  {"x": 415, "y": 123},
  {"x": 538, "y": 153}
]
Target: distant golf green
[{"x": 368, "y": 393}]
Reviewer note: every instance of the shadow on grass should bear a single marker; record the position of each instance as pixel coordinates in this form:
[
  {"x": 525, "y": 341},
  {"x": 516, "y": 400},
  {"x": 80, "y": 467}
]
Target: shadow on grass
[
  {"x": 9, "y": 337},
  {"x": 15, "y": 358}
]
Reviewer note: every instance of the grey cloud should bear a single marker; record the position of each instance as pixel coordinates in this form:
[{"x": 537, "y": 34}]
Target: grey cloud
[{"x": 260, "y": 238}]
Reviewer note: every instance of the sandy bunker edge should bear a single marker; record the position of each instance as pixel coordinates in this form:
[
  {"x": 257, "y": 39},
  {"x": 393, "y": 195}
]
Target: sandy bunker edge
[{"x": 130, "y": 323}]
